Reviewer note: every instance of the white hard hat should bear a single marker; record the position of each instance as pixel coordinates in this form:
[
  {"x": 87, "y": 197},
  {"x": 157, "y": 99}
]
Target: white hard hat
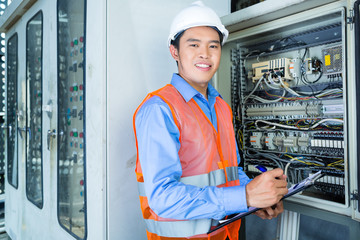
[{"x": 196, "y": 15}]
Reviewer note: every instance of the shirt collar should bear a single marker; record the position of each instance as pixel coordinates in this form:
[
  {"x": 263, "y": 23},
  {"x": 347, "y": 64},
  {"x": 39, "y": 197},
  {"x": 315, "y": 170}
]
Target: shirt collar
[{"x": 187, "y": 91}]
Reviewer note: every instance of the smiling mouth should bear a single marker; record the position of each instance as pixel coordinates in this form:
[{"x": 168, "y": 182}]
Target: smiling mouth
[{"x": 202, "y": 65}]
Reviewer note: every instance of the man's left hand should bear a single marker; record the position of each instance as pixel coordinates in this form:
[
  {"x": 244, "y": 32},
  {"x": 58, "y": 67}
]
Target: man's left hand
[{"x": 270, "y": 212}]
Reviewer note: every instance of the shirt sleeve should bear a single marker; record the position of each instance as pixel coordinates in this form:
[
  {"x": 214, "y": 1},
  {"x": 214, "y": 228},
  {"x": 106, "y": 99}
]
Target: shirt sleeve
[
  {"x": 236, "y": 198},
  {"x": 158, "y": 146},
  {"x": 244, "y": 179}
]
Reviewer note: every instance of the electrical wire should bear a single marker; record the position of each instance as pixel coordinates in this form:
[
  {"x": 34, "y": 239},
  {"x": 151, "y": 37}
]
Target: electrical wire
[
  {"x": 256, "y": 87},
  {"x": 274, "y": 158},
  {"x": 329, "y": 94},
  {"x": 287, "y": 166},
  {"x": 296, "y": 127},
  {"x": 287, "y": 88},
  {"x": 299, "y": 95},
  {"x": 263, "y": 100}
]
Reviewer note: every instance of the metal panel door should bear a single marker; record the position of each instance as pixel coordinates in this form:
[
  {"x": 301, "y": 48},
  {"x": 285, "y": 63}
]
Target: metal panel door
[
  {"x": 355, "y": 195},
  {"x": 12, "y": 169},
  {"x": 32, "y": 166}
]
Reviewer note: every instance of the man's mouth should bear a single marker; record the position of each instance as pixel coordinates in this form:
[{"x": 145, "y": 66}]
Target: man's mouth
[{"x": 202, "y": 65}]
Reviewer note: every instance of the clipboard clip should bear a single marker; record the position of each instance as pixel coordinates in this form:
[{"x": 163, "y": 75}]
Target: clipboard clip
[
  {"x": 308, "y": 181},
  {"x": 311, "y": 179}
]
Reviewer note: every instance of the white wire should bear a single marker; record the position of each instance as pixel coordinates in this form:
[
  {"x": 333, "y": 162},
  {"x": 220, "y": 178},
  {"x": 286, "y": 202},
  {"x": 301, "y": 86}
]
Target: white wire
[
  {"x": 326, "y": 120},
  {"x": 320, "y": 92},
  {"x": 287, "y": 88},
  {"x": 263, "y": 100},
  {"x": 256, "y": 87},
  {"x": 328, "y": 92},
  {"x": 280, "y": 85},
  {"x": 287, "y": 166},
  {"x": 273, "y": 85},
  {"x": 274, "y": 124},
  {"x": 292, "y": 127}
]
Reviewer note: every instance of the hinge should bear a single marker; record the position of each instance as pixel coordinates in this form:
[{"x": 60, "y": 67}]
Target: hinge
[
  {"x": 351, "y": 18},
  {"x": 354, "y": 195}
]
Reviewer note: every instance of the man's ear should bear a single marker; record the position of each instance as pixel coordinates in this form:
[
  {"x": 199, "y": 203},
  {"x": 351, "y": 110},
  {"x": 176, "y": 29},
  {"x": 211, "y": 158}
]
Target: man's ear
[{"x": 174, "y": 52}]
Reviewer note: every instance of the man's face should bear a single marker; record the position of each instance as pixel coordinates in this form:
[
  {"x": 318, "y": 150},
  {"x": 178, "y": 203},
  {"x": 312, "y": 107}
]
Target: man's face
[{"x": 198, "y": 55}]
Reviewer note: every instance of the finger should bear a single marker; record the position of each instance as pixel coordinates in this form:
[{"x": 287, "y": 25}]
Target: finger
[
  {"x": 270, "y": 212},
  {"x": 283, "y": 191},
  {"x": 280, "y": 207},
  {"x": 261, "y": 214},
  {"x": 283, "y": 177},
  {"x": 276, "y": 173},
  {"x": 280, "y": 183}
]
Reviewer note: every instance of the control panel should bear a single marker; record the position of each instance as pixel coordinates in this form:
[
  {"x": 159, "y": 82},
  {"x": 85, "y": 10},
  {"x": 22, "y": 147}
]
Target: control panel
[
  {"x": 289, "y": 106},
  {"x": 34, "y": 156},
  {"x": 71, "y": 116},
  {"x": 11, "y": 110}
]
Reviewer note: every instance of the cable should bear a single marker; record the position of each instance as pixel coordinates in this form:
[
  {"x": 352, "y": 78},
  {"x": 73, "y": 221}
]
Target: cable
[
  {"x": 298, "y": 128},
  {"x": 263, "y": 100},
  {"x": 287, "y": 88},
  {"x": 256, "y": 86},
  {"x": 287, "y": 166},
  {"x": 331, "y": 93},
  {"x": 276, "y": 87}
]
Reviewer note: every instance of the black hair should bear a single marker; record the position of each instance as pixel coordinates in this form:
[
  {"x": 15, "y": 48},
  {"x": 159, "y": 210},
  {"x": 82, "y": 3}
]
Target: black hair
[{"x": 176, "y": 41}]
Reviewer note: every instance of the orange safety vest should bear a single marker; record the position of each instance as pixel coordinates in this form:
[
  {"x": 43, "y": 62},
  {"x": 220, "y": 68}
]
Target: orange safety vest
[{"x": 208, "y": 158}]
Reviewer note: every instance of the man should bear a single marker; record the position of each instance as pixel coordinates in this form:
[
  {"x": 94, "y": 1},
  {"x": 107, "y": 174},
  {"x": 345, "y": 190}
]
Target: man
[{"x": 187, "y": 156}]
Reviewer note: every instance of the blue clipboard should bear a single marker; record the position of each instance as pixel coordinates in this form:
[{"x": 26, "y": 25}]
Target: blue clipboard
[{"x": 299, "y": 187}]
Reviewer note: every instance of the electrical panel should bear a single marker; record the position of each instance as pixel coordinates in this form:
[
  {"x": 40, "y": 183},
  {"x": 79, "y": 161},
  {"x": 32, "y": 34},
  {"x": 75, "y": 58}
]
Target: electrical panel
[
  {"x": 11, "y": 110},
  {"x": 289, "y": 104},
  {"x": 71, "y": 121},
  {"x": 34, "y": 156}
]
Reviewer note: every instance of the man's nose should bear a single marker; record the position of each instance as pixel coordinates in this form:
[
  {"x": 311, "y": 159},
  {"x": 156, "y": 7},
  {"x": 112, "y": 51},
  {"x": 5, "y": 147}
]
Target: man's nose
[{"x": 204, "y": 52}]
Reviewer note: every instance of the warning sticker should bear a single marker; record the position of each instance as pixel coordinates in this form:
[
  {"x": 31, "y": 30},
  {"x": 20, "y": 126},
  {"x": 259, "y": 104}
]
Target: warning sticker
[{"x": 327, "y": 60}]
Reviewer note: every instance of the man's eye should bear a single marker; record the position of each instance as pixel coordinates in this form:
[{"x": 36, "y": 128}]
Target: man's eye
[
  {"x": 193, "y": 45},
  {"x": 213, "y": 46}
]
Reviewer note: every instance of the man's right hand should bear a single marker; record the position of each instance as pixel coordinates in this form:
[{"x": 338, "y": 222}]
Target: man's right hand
[{"x": 266, "y": 189}]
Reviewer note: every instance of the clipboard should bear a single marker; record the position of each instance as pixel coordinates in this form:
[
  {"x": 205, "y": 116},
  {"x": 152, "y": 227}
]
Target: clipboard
[{"x": 299, "y": 187}]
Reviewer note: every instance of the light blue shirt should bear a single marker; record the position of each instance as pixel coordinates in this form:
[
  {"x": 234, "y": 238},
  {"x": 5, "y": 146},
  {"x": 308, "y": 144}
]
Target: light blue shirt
[{"x": 158, "y": 146}]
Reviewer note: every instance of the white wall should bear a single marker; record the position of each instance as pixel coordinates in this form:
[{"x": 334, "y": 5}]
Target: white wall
[{"x": 138, "y": 62}]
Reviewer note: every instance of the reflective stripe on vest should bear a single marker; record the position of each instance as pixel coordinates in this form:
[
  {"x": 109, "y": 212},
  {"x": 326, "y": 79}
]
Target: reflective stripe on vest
[
  {"x": 183, "y": 229},
  {"x": 190, "y": 227},
  {"x": 213, "y": 178}
]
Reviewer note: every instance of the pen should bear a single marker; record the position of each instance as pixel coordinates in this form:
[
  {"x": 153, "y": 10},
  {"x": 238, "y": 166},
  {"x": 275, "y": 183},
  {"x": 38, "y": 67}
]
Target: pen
[{"x": 261, "y": 168}]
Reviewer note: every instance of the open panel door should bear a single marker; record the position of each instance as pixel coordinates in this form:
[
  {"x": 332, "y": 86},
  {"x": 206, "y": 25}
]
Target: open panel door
[{"x": 355, "y": 193}]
